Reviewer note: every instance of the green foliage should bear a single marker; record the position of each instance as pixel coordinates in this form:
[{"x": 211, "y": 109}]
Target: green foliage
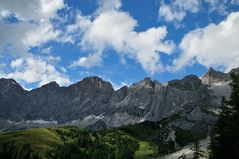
[
  {"x": 165, "y": 147},
  {"x": 40, "y": 139},
  {"x": 155, "y": 135},
  {"x": 98, "y": 145},
  {"x": 8, "y": 150},
  {"x": 145, "y": 150},
  {"x": 140, "y": 141},
  {"x": 225, "y": 141},
  {"x": 67, "y": 142},
  {"x": 184, "y": 137},
  {"x": 125, "y": 147}
]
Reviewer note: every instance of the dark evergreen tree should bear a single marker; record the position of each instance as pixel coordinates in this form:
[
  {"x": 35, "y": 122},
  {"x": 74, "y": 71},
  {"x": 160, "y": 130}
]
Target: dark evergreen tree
[
  {"x": 196, "y": 148},
  {"x": 8, "y": 150},
  {"x": 225, "y": 141}
]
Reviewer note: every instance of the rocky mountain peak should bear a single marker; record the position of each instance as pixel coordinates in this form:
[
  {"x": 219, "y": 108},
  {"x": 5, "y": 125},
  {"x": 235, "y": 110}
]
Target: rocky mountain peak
[
  {"x": 213, "y": 76},
  {"x": 93, "y": 79},
  {"x": 50, "y": 85},
  {"x": 211, "y": 70},
  {"x": 10, "y": 91},
  {"x": 8, "y": 81},
  {"x": 234, "y": 70},
  {"x": 10, "y": 84},
  {"x": 146, "y": 82},
  {"x": 81, "y": 103},
  {"x": 93, "y": 82},
  {"x": 190, "y": 82},
  {"x": 96, "y": 81}
]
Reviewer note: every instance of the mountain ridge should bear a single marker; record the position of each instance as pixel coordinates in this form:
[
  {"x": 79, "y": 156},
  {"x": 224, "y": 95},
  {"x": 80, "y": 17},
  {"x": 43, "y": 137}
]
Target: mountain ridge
[{"x": 93, "y": 102}]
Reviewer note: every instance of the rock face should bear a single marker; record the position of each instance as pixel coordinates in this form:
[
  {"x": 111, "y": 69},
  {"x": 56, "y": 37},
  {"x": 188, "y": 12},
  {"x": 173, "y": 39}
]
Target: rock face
[
  {"x": 189, "y": 103},
  {"x": 213, "y": 76}
]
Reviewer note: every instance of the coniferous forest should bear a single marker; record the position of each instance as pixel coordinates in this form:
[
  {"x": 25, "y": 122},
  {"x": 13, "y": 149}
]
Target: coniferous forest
[{"x": 225, "y": 140}]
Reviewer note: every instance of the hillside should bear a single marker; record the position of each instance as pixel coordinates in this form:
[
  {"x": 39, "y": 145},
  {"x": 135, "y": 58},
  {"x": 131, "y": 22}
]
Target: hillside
[{"x": 140, "y": 141}]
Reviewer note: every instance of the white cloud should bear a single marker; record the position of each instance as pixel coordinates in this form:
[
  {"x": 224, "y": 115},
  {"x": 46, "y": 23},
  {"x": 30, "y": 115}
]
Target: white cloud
[
  {"x": 170, "y": 15},
  {"x": 219, "y": 6},
  {"x": 89, "y": 61},
  {"x": 107, "y": 5},
  {"x": 35, "y": 10},
  {"x": 116, "y": 29},
  {"x": 177, "y": 10},
  {"x": 46, "y": 50},
  {"x": 40, "y": 34},
  {"x": 2, "y": 73},
  {"x": 18, "y": 38},
  {"x": 216, "y": 45},
  {"x": 16, "y": 63},
  {"x": 188, "y": 5},
  {"x": 36, "y": 70},
  {"x": 34, "y": 27}
]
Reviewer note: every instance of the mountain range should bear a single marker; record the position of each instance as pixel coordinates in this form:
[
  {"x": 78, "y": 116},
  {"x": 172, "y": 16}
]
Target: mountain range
[{"x": 191, "y": 103}]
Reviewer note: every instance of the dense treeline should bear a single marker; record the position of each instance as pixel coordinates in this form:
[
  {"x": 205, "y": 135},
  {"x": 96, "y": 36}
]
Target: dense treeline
[
  {"x": 77, "y": 144},
  {"x": 9, "y": 150},
  {"x": 92, "y": 145},
  {"x": 225, "y": 142}
]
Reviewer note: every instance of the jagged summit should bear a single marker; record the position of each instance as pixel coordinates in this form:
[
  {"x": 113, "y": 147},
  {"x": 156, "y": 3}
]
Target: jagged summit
[
  {"x": 190, "y": 82},
  {"x": 92, "y": 83},
  {"x": 8, "y": 81},
  {"x": 82, "y": 103},
  {"x": 234, "y": 70},
  {"x": 211, "y": 70},
  {"x": 191, "y": 77},
  {"x": 213, "y": 76},
  {"x": 52, "y": 84},
  {"x": 93, "y": 79},
  {"x": 10, "y": 85},
  {"x": 146, "y": 82}
]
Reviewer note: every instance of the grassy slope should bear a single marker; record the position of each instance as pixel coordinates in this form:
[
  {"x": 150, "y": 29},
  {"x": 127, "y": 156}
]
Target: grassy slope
[
  {"x": 41, "y": 139},
  {"x": 145, "y": 133},
  {"x": 145, "y": 151}
]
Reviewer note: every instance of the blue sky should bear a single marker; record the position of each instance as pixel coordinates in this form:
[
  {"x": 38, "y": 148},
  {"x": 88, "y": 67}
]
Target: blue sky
[{"x": 121, "y": 41}]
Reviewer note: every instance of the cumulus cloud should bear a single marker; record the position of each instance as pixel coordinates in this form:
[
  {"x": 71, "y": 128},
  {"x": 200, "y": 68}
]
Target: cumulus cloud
[
  {"x": 106, "y": 5},
  {"x": 16, "y": 63},
  {"x": 112, "y": 28},
  {"x": 219, "y": 6},
  {"x": 177, "y": 10},
  {"x": 35, "y": 10},
  {"x": 216, "y": 45},
  {"x": 34, "y": 27},
  {"x": 36, "y": 70}
]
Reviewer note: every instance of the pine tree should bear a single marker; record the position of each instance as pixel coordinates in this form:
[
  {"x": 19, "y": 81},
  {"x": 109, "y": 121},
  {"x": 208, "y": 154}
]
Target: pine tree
[
  {"x": 225, "y": 141},
  {"x": 234, "y": 103},
  {"x": 196, "y": 148}
]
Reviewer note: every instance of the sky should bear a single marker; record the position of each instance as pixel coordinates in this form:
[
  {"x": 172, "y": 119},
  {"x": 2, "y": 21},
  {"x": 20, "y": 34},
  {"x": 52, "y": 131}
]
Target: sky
[{"x": 121, "y": 41}]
